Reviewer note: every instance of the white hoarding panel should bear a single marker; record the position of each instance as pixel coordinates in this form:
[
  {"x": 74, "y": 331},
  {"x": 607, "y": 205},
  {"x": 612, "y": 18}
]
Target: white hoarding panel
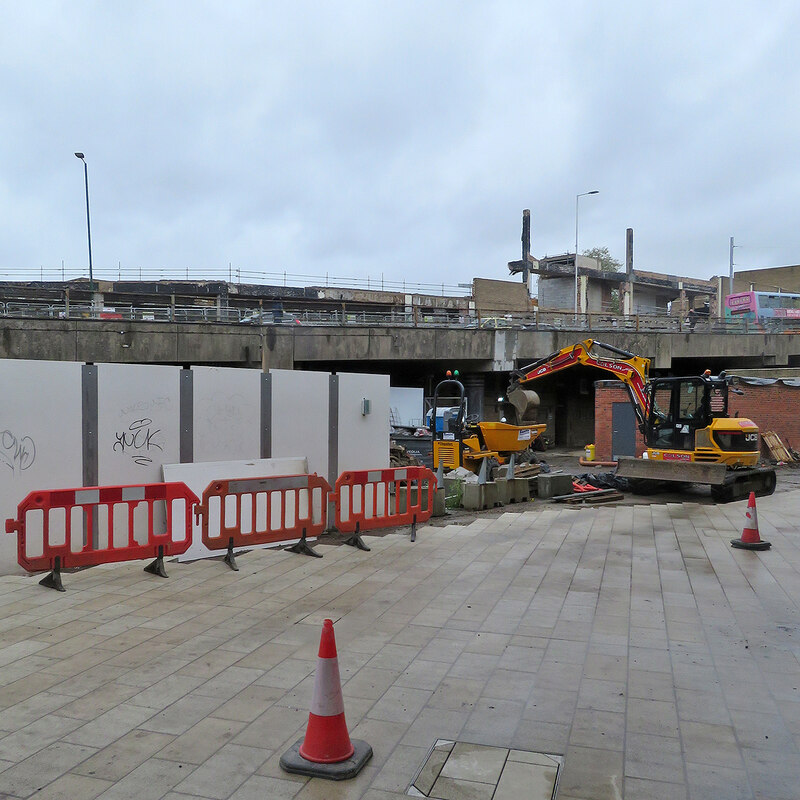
[
  {"x": 138, "y": 422},
  {"x": 300, "y": 417},
  {"x": 198, "y": 476},
  {"x": 363, "y": 421},
  {"x": 226, "y": 413},
  {"x": 40, "y": 437}
]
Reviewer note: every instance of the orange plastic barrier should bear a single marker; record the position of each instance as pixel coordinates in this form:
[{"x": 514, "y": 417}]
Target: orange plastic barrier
[
  {"x": 64, "y": 528},
  {"x": 251, "y": 511},
  {"x": 382, "y": 498}
]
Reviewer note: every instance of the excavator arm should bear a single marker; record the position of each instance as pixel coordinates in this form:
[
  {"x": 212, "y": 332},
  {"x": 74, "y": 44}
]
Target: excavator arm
[{"x": 631, "y": 369}]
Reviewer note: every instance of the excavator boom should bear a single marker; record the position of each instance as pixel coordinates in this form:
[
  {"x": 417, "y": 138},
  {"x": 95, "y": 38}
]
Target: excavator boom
[{"x": 631, "y": 369}]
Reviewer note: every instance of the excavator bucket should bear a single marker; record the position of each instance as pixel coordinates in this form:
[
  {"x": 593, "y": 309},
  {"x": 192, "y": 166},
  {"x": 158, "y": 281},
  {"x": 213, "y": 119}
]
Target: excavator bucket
[{"x": 525, "y": 402}]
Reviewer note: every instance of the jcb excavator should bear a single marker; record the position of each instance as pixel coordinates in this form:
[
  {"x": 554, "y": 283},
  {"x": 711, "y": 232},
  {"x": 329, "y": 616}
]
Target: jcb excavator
[{"x": 684, "y": 421}]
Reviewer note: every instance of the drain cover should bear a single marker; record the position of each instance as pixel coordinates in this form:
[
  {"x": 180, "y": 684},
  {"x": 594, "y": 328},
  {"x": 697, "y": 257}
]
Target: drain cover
[{"x": 465, "y": 771}]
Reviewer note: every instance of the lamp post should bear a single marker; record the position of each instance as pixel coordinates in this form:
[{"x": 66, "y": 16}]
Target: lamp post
[
  {"x": 88, "y": 224},
  {"x": 577, "y": 198}
]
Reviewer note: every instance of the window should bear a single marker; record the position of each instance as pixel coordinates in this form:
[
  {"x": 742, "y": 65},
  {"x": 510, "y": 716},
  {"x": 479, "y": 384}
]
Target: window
[{"x": 690, "y": 404}]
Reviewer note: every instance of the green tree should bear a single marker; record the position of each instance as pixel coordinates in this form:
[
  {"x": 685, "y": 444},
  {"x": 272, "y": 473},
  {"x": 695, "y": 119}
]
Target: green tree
[{"x": 607, "y": 262}]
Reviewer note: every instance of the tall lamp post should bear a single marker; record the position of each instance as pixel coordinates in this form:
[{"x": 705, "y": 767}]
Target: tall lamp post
[
  {"x": 88, "y": 224},
  {"x": 577, "y": 198}
]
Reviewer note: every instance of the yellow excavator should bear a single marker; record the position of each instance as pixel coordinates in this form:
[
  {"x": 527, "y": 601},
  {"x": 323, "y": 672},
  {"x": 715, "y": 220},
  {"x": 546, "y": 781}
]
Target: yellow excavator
[{"x": 684, "y": 421}]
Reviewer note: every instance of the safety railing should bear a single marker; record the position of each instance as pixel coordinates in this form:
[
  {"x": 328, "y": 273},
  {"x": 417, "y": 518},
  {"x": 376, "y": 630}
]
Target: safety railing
[
  {"x": 543, "y": 320},
  {"x": 256, "y": 511},
  {"x": 66, "y": 528},
  {"x": 58, "y": 529},
  {"x": 380, "y": 498}
]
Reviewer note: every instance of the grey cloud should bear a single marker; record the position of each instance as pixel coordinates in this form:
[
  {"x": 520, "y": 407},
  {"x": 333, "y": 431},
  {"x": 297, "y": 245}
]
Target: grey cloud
[{"x": 397, "y": 138}]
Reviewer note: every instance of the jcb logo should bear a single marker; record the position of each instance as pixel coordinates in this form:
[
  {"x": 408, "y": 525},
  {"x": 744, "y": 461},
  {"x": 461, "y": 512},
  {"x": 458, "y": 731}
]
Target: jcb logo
[{"x": 751, "y": 437}]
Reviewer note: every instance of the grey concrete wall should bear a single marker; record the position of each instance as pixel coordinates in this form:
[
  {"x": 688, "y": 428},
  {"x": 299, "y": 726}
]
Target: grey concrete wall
[
  {"x": 557, "y": 293},
  {"x": 645, "y": 302},
  {"x": 595, "y": 296},
  {"x": 283, "y": 347}
]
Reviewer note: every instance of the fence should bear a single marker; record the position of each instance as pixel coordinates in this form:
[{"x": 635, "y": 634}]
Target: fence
[
  {"x": 97, "y": 525},
  {"x": 63, "y": 528},
  {"x": 542, "y": 320},
  {"x": 257, "y": 511},
  {"x": 370, "y": 499}
]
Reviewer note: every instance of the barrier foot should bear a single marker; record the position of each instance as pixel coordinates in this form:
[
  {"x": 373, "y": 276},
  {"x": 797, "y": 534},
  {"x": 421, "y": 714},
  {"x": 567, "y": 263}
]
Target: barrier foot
[
  {"x": 356, "y": 541},
  {"x": 230, "y": 558},
  {"x": 53, "y": 580},
  {"x": 157, "y": 567},
  {"x": 304, "y": 548},
  {"x": 414, "y": 529}
]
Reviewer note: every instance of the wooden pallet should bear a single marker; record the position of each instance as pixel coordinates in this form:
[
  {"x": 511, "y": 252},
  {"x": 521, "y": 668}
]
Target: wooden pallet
[
  {"x": 776, "y": 447},
  {"x": 527, "y": 471},
  {"x": 581, "y": 498}
]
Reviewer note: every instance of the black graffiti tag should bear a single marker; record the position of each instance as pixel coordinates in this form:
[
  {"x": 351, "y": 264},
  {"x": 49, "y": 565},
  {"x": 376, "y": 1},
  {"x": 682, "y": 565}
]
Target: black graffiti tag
[
  {"x": 138, "y": 440},
  {"x": 17, "y": 453}
]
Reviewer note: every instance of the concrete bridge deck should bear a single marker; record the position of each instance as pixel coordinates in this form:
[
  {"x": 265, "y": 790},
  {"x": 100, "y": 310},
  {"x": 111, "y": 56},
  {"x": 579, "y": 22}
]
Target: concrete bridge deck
[
  {"x": 288, "y": 346},
  {"x": 633, "y": 641}
]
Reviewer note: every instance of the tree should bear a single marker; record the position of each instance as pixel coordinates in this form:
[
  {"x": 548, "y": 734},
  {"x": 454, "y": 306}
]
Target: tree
[{"x": 607, "y": 262}]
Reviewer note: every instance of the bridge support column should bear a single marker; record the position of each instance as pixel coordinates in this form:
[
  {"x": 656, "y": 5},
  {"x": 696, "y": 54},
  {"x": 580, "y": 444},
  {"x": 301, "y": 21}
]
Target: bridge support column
[{"x": 474, "y": 386}]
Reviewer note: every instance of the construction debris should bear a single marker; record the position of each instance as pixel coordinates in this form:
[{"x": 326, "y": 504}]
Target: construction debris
[
  {"x": 527, "y": 470},
  {"x": 400, "y": 457},
  {"x": 605, "y": 480},
  {"x": 776, "y": 448},
  {"x": 596, "y": 496}
]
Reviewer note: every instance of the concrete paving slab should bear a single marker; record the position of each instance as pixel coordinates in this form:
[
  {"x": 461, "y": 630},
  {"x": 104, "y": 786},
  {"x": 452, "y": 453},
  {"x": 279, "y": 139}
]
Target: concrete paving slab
[{"x": 633, "y": 641}]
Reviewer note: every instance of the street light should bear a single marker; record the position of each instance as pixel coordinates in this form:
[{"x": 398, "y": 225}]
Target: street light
[
  {"x": 577, "y": 198},
  {"x": 88, "y": 225}
]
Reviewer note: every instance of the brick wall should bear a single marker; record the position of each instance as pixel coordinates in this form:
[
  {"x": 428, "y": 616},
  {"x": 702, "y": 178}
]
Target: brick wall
[
  {"x": 606, "y": 393},
  {"x": 491, "y": 295},
  {"x": 773, "y": 408}
]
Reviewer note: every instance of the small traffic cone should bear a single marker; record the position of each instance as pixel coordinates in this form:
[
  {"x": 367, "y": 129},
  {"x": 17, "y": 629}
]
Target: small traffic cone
[
  {"x": 327, "y": 751},
  {"x": 751, "y": 540}
]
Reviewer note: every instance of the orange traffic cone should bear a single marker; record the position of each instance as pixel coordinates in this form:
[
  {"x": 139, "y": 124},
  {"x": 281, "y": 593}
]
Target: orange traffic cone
[
  {"x": 326, "y": 751},
  {"x": 751, "y": 540}
]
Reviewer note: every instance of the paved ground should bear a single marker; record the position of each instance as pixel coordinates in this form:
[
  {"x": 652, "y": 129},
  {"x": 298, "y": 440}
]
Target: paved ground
[{"x": 633, "y": 640}]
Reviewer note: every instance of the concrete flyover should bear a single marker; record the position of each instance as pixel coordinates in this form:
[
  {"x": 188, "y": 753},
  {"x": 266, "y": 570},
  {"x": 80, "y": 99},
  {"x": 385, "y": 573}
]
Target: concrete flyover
[{"x": 370, "y": 347}]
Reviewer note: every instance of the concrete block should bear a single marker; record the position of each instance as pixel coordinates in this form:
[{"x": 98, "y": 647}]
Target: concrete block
[
  {"x": 521, "y": 492},
  {"x": 438, "y": 500},
  {"x": 478, "y": 497},
  {"x": 505, "y": 492},
  {"x": 513, "y": 490},
  {"x": 553, "y": 485}
]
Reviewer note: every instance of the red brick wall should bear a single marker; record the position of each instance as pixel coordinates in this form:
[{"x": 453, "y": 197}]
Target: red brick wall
[
  {"x": 605, "y": 394},
  {"x": 773, "y": 408}
]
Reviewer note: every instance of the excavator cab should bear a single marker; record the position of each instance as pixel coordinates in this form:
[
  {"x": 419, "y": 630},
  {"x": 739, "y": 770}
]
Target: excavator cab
[{"x": 679, "y": 407}]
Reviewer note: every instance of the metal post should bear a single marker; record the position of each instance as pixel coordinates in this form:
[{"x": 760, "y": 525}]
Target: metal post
[
  {"x": 88, "y": 223},
  {"x": 730, "y": 283},
  {"x": 577, "y": 198}
]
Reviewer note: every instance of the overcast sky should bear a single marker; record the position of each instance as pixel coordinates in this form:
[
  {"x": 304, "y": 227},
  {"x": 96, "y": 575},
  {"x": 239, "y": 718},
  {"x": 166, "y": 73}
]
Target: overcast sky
[{"x": 400, "y": 139}]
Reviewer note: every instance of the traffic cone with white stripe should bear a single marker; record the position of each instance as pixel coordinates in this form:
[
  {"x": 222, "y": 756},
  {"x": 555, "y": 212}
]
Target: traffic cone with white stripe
[
  {"x": 327, "y": 751},
  {"x": 751, "y": 540}
]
